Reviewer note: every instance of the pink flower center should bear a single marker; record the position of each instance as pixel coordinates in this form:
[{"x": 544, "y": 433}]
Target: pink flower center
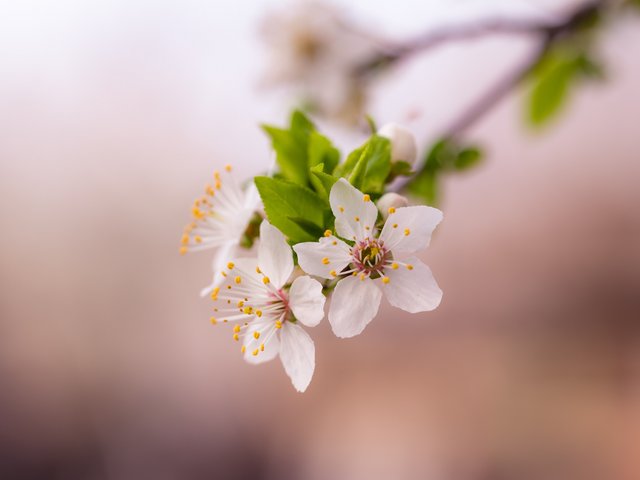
[{"x": 370, "y": 256}]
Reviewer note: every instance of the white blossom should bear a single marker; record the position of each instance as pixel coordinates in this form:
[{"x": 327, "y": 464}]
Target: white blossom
[
  {"x": 403, "y": 143},
  {"x": 375, "y": 264},
  {"x": 256, "y": 295},
  {"x": 220, "y": 219},
  {"x": 313, "y": 49}
]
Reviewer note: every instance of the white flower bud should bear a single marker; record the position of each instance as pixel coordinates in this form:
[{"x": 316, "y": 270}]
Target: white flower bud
[
  {"x": 403, "y": 143},
  {"x": 389, "y": 202}
]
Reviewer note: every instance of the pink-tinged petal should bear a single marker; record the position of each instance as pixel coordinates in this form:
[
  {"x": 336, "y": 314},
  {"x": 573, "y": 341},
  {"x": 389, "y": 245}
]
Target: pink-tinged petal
[
  {"x": 355, "y": 213},
  {"x": 354, "y": 303},
  {"x": 274, "y": 255},
  {"x": 307, "y": 300},
  {"x": 411, "y": 287},
  {"x": 298, "y": 355},
  {"x": 222, "y": 256},
  {"x": 264, "y": 348},
  {"x": 409, "y": 229},
  {"x": 325, "y": 258}
]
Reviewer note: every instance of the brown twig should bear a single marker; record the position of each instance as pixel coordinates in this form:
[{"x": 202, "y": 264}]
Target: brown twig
[{"x": 548, "y": 34}]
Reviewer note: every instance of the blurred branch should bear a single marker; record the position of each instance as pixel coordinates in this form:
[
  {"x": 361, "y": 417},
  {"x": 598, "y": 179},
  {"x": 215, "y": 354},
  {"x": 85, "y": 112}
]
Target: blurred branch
[{"x": 548, "y": 33}]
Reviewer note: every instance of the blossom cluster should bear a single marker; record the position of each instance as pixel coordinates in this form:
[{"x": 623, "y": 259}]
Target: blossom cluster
[{"x": 325, "y": 229}]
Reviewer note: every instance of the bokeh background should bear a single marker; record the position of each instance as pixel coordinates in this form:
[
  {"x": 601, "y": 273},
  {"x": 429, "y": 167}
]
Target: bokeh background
[{"x": 113, "y": 116}]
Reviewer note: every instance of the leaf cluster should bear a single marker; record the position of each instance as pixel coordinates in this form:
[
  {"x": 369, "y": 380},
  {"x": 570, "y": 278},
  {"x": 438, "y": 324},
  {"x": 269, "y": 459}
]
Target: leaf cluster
[{"x": 296, "y": 198}]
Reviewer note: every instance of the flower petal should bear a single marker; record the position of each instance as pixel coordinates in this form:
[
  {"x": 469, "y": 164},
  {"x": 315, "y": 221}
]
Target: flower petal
[
  {"x": 409, "y": 229},
  {"x": 274, "y": 255},
  {"x": 254, "y": 352},
  {"x": 220, "y": 259},
  {"x": 322, "y": 258},
  {"x": 353, "y": 305},
  {"x": 307, "y": 300},
  {"x": 355, "y": 213},
  {"x": 298, "y": 355},
  {"x": 413, "y": 290}
]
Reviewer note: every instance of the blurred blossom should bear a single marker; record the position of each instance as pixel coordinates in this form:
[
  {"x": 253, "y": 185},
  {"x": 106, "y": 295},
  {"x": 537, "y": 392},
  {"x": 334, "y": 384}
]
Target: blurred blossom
[{"x": 314, "y": 50}]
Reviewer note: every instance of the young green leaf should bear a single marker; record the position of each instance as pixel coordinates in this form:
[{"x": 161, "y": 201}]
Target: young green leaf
[
  {"x": 291, "y": 146},
  {"x": 284, "y": 201},
  {"x": 321, "y": 150}
]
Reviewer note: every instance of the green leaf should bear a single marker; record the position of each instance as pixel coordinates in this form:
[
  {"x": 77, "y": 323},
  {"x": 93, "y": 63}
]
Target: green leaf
[
  {"x": 321, "y": 150},
  {"x": 291, "y": 147},
  {"x": 284, "y": 201},
  {"x": 425, "y": 186},
  {"x": 401, "y": 168},
  {"x": 311, "y": 228},
  {"x": 467, "y": 158},
  {"x": 368, "y": 166},
  {"x": 559, "y": 70},
  {"x": 321, "y": 181},
  {"x": 345, "y": 169}
]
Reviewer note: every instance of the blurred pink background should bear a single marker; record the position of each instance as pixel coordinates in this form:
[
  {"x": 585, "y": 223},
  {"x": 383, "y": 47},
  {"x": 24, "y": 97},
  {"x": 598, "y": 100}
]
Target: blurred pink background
[{"x": 113, "y": 116}]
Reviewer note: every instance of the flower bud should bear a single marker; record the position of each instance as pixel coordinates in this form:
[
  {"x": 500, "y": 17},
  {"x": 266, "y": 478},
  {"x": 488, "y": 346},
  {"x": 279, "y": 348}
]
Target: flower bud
[
  {"x": 389, "y": 202},
  {"x": 403, "y": 143}
]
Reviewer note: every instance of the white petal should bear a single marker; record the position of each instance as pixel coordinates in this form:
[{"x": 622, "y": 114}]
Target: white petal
[
  {"x": 268, "y": 337},
  {"x": 307, "y": 300},
  {"x": 222, "y": 256},
  {"x": 274, "y": 255},
  {"x": 354, "y": 303},
  {"x": 403, "y": 143},
  {"x": 321, "y": 258},
  {"x": 298, "y": 355},
  {"x": 412, "y": 290},
  {"x": 353, "y": 210},
  {"x": 409, "y": 229}
]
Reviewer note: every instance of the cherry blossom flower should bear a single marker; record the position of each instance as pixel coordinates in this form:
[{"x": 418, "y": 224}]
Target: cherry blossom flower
[
  {"x": 220, "y": 218},
  {"x": 372, "y": 264},
  {"x": 256, "y": 295},
  {"x": 313, "y": 48}
]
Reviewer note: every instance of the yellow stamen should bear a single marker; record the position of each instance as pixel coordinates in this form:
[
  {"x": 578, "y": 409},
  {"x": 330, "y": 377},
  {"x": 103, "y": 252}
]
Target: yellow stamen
[
  {"x": 230, "y": 265},
  {"x": 394, "y": 266},
  {"x": 407, "y": 231},
  {"x": 385, "y": 280},
  {"x": 266, "y": 280},
  {"x": 256, "y": 335},
  {"x": 362, "y": 277},
  {"x": 357, "y": 219},
  {"x": 325, "y": 260},
  {"x": 255, "y": 352},
  {"x": 392, "y": 210},
  {"x": 341, "y": 209},
  {"x": 409, "y": 267},
  {"x": 395, "y": 225},
  {"x": 227, "y": 167},
  {"x": 240, "y": 303},
  {"x": 185, "y": 239},
  {"x": 278, "y": 324},
  {"x": 236, "y": 329},
  {"x": 262, "y": 347},
  {"x": 247, "y": 310},
  {"x": 213, "y": 320},
  {"x": 243, "y": 349},
  {"x": 183, "y": 250},
  {"x": 327, "y": 233},
  {"x": 366, "y": 198},
  {"x": 198, "y": 239},
  {"x": 236, "y": 337},
  {"x": 258, "y": 313},
  {"x": 333, "y": 273},
  {"x": 258, "y": 270},
  {"x": 237, "y": 279}
]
